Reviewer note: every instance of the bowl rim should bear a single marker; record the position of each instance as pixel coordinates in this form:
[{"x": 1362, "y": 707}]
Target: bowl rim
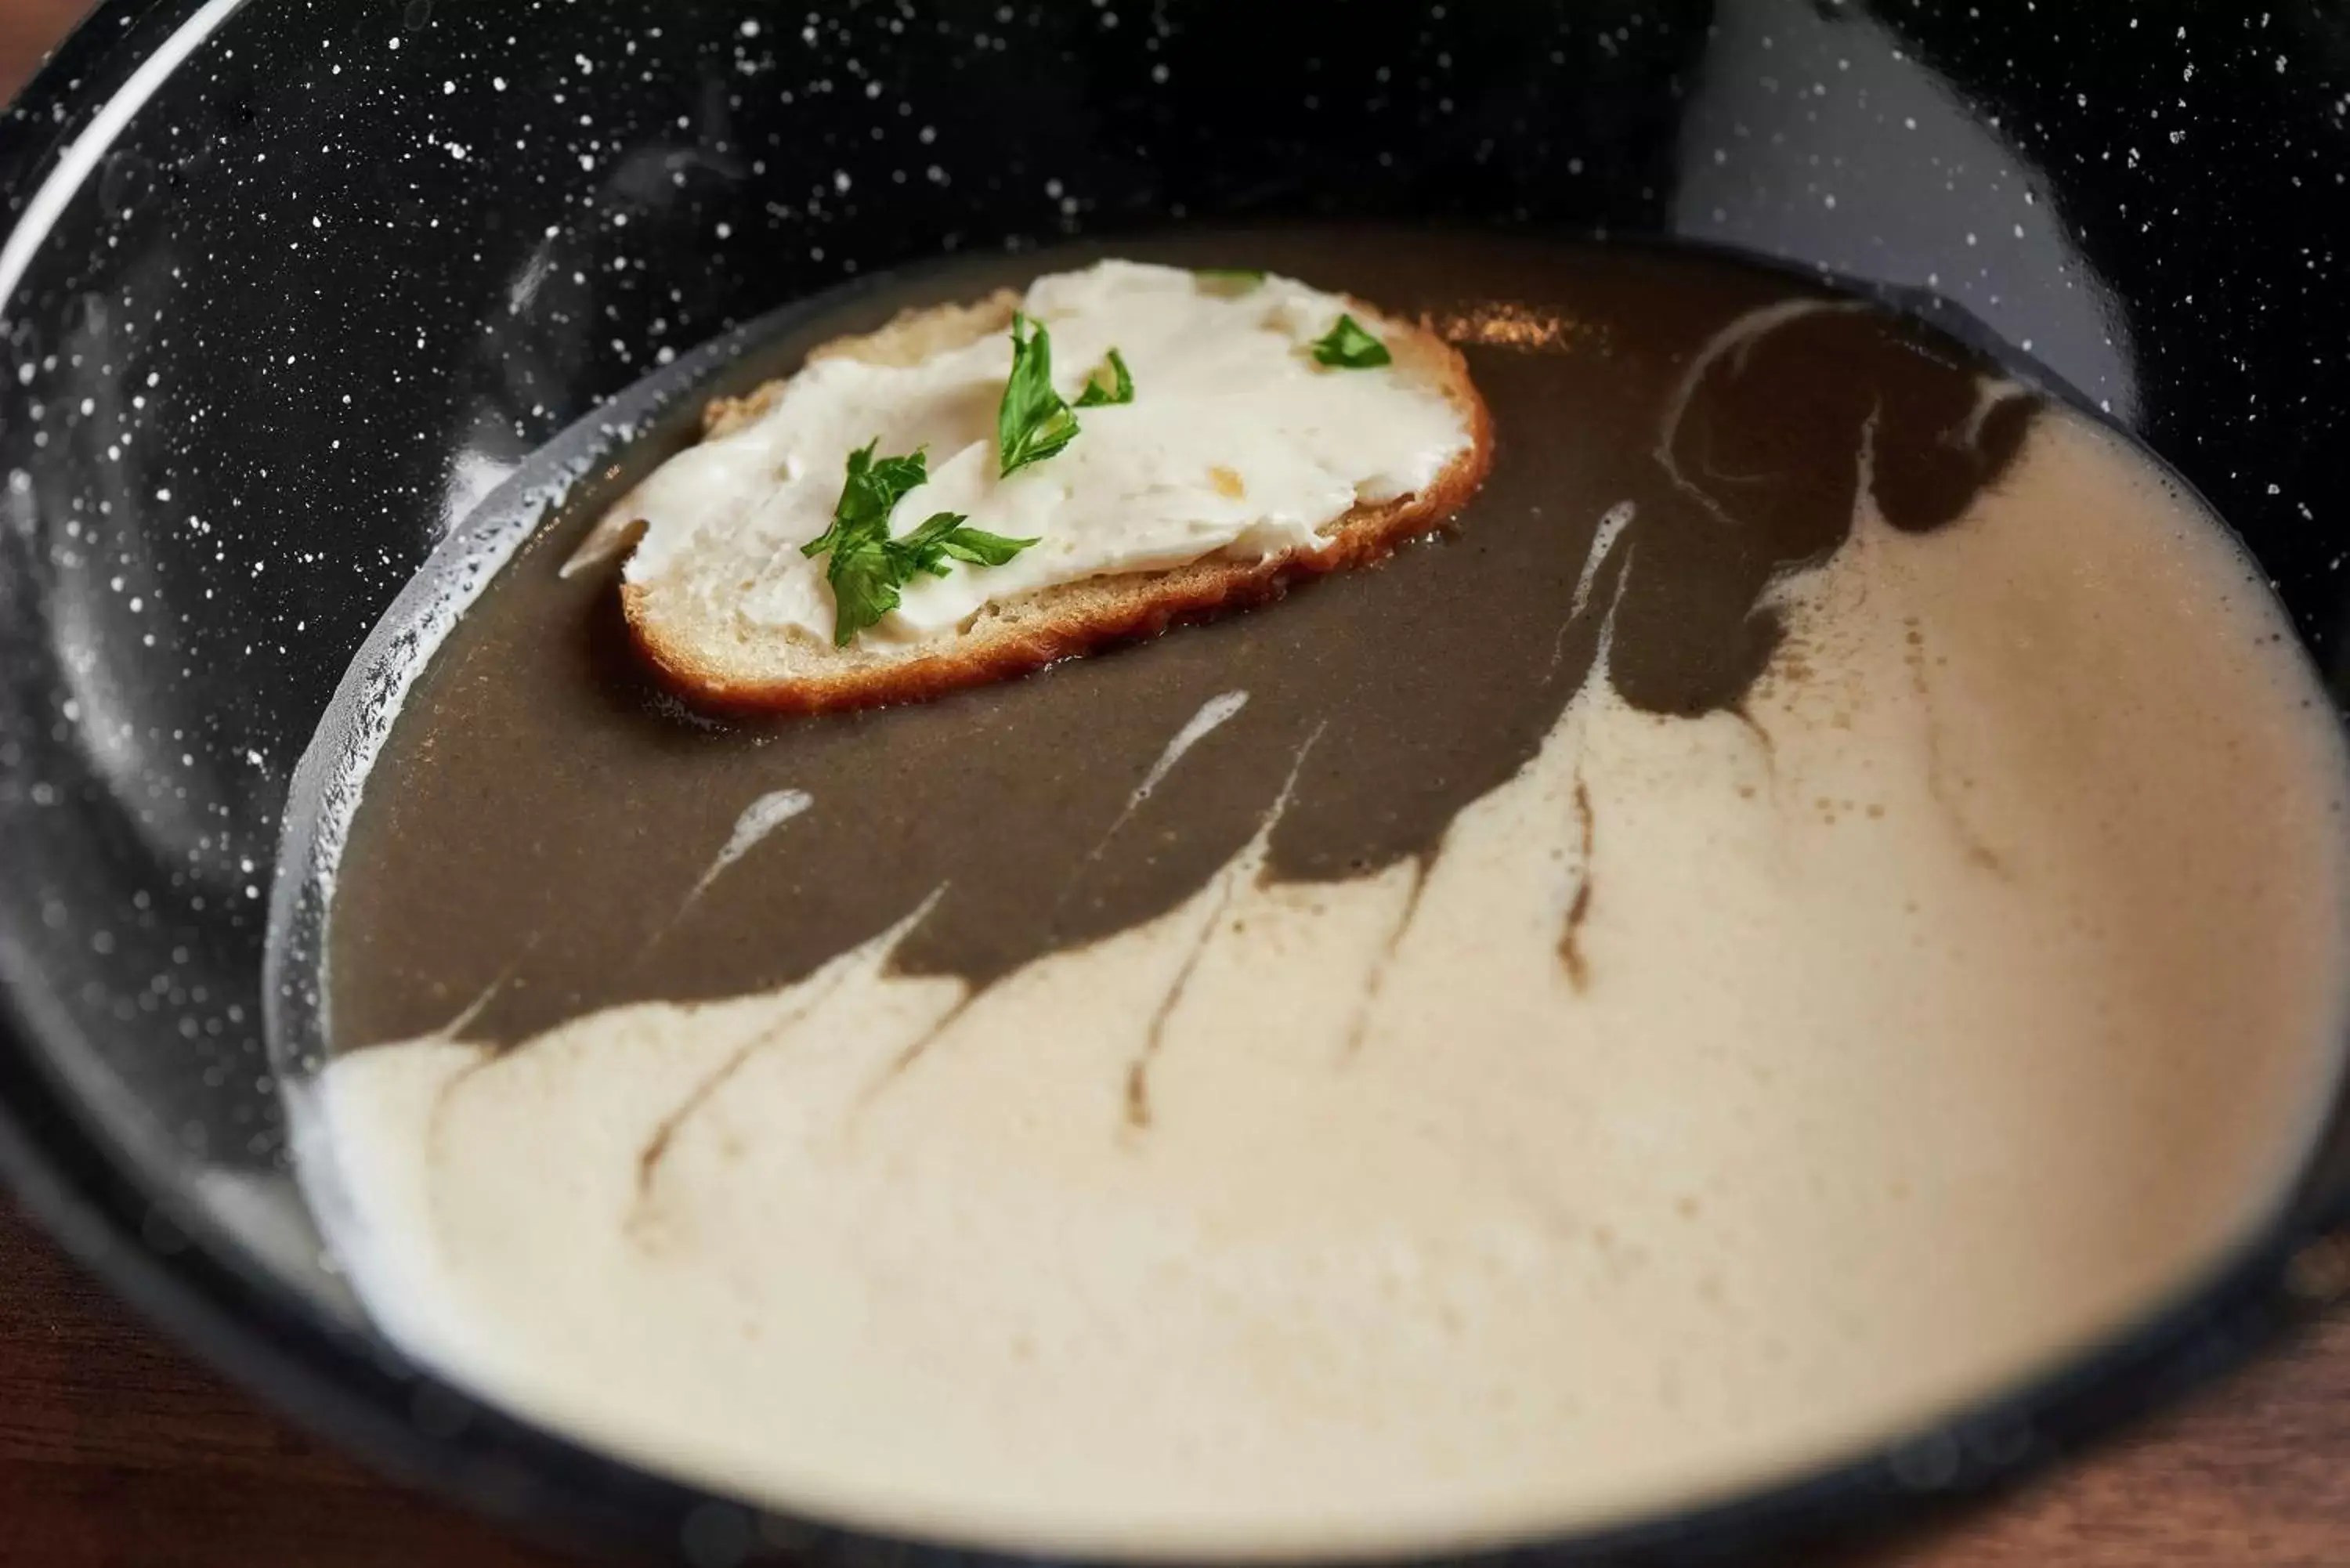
[{"x": 356, "y": 1389}]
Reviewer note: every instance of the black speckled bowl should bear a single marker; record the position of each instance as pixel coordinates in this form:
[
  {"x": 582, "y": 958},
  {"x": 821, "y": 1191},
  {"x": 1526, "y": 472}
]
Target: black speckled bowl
[{"x": 287, "y": 288}]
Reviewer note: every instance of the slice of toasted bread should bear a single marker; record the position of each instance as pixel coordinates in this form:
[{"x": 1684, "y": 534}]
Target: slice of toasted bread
[{"x": 708, "y": 657}]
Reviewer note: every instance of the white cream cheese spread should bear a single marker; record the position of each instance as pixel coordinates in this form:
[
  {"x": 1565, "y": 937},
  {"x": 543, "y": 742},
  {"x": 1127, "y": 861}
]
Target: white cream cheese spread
[{"x": 1237, "y": 443}]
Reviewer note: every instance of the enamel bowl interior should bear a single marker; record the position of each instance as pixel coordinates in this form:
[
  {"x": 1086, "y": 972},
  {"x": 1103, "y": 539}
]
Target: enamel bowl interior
[{"x": 287, "y": 291}]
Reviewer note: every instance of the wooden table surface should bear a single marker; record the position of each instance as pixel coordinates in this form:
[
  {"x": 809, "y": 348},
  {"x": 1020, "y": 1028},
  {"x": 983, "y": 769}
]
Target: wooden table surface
[{"x": 117, "y": 1451}]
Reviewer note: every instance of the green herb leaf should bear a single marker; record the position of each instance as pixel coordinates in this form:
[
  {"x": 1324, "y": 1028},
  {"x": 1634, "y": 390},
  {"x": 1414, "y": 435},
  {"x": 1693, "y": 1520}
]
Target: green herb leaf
[
  {"x": 874, "y": 487},
  {"x": 865, "y": 579},
  {"x": 1348, "y": 347},
  {"x": 982, "y": 548},
  {"x": 867, "y": 566},
  {"x": 1033, "y": 422},
  {"x": 946, "y": 534},
  {"x": 924, "y": 549},
  {"x": 1120, "y": 391},
  {"x": 1229, "y": 280}
]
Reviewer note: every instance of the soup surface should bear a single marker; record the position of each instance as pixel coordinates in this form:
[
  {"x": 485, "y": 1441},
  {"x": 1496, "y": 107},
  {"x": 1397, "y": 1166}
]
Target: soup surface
[{"x": 1824, "y": 892}]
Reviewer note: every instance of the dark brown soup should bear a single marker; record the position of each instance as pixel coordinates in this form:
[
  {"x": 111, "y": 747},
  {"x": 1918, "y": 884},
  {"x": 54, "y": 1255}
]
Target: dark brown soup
[{"x": 542, "y": 812}]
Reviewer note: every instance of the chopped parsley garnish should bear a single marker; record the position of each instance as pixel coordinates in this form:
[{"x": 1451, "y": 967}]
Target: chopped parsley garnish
[
  {"x": 1348, "y": 347},
  {"x": 945, "y": 533},
  {"x": 872, "y": 490},
  {"x": 1120, "y": 391},
  {"x": 867, "y": 566},
  {"x": 1033, "y": 422}
]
